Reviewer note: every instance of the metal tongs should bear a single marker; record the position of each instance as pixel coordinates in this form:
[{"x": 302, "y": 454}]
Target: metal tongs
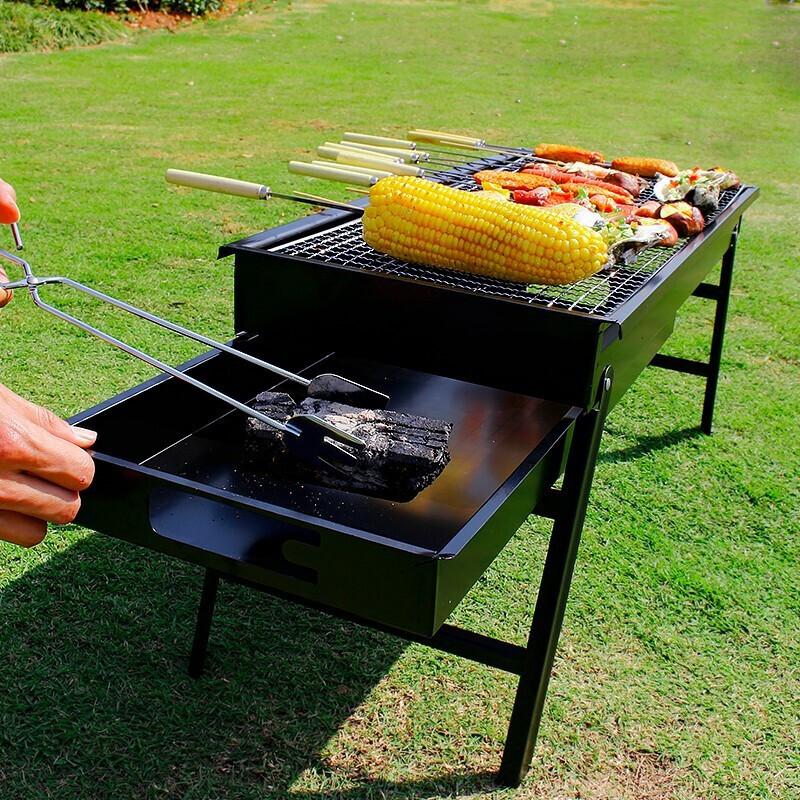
[{"x": 305, "y": 435}]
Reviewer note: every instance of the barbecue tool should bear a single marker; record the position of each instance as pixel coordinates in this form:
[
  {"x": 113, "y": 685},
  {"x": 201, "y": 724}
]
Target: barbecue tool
[
  {"x": 215, "y": 183},
  {"x": 464, "y": 142},
  {"x": 404, "y": 144},
  {"x": 237, "y": 188},
  {"x": 305, "y": 435},
  {"x": 404, "y": 154},
  {"x": 373, "y": 161},
  {"x": 470, "y": 143}
]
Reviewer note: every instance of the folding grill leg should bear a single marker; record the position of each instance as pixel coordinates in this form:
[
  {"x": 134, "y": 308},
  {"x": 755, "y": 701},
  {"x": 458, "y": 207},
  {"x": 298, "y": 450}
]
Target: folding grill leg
[
  {"x": 205, "y": 614},
  {"x": 720, "y": 320},
  {"x": 553, "y": 590}
]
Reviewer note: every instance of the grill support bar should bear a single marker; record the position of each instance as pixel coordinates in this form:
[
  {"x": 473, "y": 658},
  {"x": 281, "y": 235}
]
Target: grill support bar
[
  {"x": 534, "y": 662},
  {"x": 720, "y": 293},
  {"x": 551, "y": 601},
  {"x": 205, "y": 613}
]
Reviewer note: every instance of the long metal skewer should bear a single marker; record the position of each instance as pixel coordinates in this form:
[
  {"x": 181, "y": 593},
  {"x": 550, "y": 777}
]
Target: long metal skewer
[{"x": 309, "y": 436}]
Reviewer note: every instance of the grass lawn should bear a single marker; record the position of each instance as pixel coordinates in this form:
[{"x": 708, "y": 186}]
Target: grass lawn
[{"x": 677, "y": 672}]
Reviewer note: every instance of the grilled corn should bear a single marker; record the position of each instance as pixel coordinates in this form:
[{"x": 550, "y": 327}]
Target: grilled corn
[{"x": 417, "y": 220}]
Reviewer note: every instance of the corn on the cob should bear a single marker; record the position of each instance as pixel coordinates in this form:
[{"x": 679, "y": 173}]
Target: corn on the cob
[
  {"x": 565, "y": 152},
  {"x": 648, "y": 167},
  {"x": 513, "y": 180},
  {"x": 417, "y": 220}
]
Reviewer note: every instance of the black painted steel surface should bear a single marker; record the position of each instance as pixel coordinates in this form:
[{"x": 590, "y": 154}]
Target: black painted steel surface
[
  {"x": 550, "y": 345},
  {"x": 190, "y": 487}
]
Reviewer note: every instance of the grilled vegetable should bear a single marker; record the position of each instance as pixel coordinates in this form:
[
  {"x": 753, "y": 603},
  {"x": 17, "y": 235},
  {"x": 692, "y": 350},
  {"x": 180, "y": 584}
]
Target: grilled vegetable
[
  {"x": 616, "y": 195},
  {"x": 417, "y": 220},
  {"x": 686, "y": 219},
  {"x": 700, "y": 187},
  {"x": 512, "y": 180},
  {"x": 649, "y": 167},
  {"x": 565, "y": 152},
  {"x": 602, "y": 203},
  {"x": 626, "y": 241},
  {"x": 649, "y": 209}
]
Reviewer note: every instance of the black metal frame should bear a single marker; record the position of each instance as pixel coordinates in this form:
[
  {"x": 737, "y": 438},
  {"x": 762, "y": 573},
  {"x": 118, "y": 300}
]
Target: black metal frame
[
  {"x": 567, "y": 508},
  {"x": 533, "y": 663},
  {"x": 720, "y": 293},
  {"x": 598, "y": 346}
]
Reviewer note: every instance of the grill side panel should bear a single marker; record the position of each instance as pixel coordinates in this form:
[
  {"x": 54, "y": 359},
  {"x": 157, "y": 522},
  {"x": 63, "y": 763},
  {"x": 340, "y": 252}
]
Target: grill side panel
[{"x": 471, "y": 337}]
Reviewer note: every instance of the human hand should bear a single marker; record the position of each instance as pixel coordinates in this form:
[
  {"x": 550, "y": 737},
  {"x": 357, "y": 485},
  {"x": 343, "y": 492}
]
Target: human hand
[
  {"x": 43, "y": 466},
  {"x": 8, "y": 213}
]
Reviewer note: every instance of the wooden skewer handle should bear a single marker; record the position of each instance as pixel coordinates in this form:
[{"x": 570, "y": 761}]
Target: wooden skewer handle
[
  {"x": 375, "y": 173},
  {"x": 331, "y": 173},
  {"x": 361, "y": 149},
  {"x": 440, "y": 137},
  {"x": 364, "y": 138},
  {"x": 372, "y": 162},
  {"x": 403, "y": 153},
  {"x": 214, "y": 183}
]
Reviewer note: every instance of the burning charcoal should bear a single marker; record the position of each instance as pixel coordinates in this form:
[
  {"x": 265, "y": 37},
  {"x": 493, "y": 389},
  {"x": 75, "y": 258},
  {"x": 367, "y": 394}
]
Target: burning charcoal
[{"x": 404, "y": 453}]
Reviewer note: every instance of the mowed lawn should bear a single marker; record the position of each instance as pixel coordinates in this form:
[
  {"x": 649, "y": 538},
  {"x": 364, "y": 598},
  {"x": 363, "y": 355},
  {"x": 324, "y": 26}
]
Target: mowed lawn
[{"x": 677, "y": 671}]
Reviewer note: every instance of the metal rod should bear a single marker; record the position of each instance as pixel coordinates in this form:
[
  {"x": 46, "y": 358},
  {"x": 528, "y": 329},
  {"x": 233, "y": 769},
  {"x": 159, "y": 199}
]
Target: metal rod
[
  {"x": 140, "y": 354},
  {"x": 17, "y": 238},
  {"x": 329, "y": 203},
  {"x": 551, "y": 601},
  {"x": 202, "y": 631},
  {"x": 179, "y": 329},
  {"x": 302, "y": 197}
]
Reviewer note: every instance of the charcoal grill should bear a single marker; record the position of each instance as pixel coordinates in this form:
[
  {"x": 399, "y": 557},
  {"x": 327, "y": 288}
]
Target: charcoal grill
[{"x": 526, "y": 375}]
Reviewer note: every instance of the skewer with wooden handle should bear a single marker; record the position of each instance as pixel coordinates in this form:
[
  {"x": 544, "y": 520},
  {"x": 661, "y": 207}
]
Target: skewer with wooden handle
[
  {"x": 404, "y": 154},
  {"x": 385, "y": 141},
  {"x": 394, "y": 166},
  {"x": 456, "y": 140},
  {"x": 237, "y": 188},
  {"x": 469, "y": 142}
]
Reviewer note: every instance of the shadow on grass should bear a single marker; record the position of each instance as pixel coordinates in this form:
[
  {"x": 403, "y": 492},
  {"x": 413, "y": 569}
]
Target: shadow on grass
[
  {"x": 95, "y": 701},
  {"x": 649, "y": 444}
]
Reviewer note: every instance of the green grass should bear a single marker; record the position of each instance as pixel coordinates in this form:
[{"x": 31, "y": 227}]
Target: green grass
[
  {"x": 677, "y": 672},
  {"x": 26, "y": 27}
]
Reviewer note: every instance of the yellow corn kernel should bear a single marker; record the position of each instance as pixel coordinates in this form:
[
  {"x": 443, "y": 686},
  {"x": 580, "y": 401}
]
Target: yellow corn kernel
[{"x": 478, "y": 232}]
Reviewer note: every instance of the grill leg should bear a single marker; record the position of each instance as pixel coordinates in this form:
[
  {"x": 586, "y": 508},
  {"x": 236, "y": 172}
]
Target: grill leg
[
  {"x": 720, "y": 319},
  {"x": 553, "y": 590},
  {"x": 205, "y": 613}
]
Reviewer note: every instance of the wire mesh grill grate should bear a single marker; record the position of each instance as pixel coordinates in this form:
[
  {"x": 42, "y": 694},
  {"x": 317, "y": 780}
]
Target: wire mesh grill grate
[{"x": 599, "y": 294}]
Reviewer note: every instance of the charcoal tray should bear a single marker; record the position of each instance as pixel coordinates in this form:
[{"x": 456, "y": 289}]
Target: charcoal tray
[{"x": 174, "y": 474}]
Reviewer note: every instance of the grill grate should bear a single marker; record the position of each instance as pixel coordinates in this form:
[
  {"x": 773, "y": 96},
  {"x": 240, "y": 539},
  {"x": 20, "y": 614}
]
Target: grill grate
[{"x": 599, "y": 294}]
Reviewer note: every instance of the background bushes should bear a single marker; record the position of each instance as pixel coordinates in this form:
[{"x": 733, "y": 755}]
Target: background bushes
[{"x": 195, "y": 7}]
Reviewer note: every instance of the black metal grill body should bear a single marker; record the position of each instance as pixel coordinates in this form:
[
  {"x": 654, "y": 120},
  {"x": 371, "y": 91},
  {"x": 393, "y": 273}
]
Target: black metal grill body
[
  {"x": 482, "y": 330},
  {"x": 189, "y": 487},
  {"x": 172, "y": 473}
]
